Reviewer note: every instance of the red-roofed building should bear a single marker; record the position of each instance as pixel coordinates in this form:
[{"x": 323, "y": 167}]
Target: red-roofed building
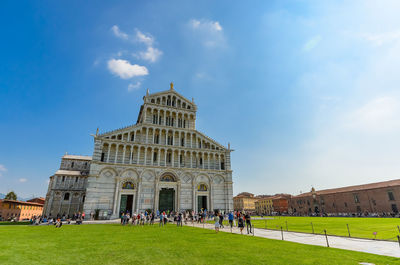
[
  {"x": 379, "y": 197},
  {"x": 19, "y": 210}
]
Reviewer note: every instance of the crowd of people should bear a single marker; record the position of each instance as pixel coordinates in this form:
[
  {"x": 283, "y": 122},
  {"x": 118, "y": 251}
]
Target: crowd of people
[
  {"x": 235, "y": 219},
  {"x": 58, "y": 220}
]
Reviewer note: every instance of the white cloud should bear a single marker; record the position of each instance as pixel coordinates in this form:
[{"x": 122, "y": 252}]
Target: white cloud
[
  {"x": 204, "y": 24},
  {"x": 144, "y": 38},
  {"x": 210, "y": 32},
  {"x": 133, "y": 87},
  {"x": 2, "y": 169},
  {"x": 151, "y": 54},
  {"x": 125, "y": 70},
  {"x": 118, "y": 33},
  {"x": 312, "y": 43},
  {"x": 22, "y": 180},
  {"x": 382, "y": 38},
  {"x": 378, "y": 115}
]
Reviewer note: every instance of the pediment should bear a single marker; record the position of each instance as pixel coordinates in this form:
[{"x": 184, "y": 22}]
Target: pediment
[{"x": 176, "y": 100}]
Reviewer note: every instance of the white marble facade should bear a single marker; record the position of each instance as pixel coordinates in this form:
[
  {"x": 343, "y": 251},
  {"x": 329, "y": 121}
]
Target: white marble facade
[{"x": 160, "y": 162}]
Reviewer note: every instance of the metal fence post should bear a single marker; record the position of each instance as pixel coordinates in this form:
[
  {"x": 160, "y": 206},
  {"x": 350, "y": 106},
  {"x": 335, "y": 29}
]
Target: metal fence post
[
  {"x": 312, "y": 226},
  {"x": 398, "y": 228},
  {"x": 327, "y": 243},
  {"x": 398, "y": 239},
  {"x": 348, "y": 229},
  {"x": 282, "y": 232}
]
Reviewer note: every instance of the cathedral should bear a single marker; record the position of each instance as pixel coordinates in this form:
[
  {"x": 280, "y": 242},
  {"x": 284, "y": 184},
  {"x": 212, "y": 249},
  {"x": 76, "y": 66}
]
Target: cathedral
[{"x": 160, "y": 163}]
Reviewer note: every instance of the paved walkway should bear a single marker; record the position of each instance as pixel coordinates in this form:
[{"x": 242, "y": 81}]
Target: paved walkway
[{"x": 363, "y": 245}]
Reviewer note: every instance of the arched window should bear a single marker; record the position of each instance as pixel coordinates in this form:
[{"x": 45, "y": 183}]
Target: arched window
[
  {"x": 202, "y": 187},
  {"x": 66, "y": 196},
  {"x": 167, "y": 178},
  {"x": 128, "y": 185}
]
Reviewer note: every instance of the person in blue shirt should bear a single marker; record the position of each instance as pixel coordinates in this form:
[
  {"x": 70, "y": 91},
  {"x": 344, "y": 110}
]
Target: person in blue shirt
[{"x": 230, "y": 218}]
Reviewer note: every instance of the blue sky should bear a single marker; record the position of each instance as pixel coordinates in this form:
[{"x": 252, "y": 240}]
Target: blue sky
[{"x": 306, "y": 92}]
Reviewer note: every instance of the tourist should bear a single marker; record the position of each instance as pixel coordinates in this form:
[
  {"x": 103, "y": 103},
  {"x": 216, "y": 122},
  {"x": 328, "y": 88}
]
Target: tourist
[
  {"x": 58, "y": 223},
  {"x": 230, "y": 218},
  {"x": 241, "y": 224},
  {"x": 165, "y": 218},
  {"x": 152, "y": 218},
  {"x": 161, "y": 220},
  {"x": 248, "y": 223},
  {"x": 216, "y": 221},
  {"x": 221, "y": 220}
]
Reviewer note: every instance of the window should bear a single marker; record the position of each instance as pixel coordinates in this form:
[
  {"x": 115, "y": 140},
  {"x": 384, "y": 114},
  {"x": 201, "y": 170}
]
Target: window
[
  {"x": 159, "y": 120},
  {"x": 184, "y": 123},
  {"x": 155, "y": 157},
  {"x": 155, "y": 119},
  {"x": 183, "y": 142},
  {"x": 169, "y": 158},
  {"x": 201, "y": 161},
  {"x": 345, "y": 204},
  {"x": 132, "y": 137},
  {"x": 170, "y": 140},
  {"x": 66, "y": 196},
  {"x": 76, "y": 179},
  {"x": 83, "y": 198},
  {"x": 102, "y": 157},
  {"x": 128, "y": 185},
  {"x": 72, "y": 165},
  {"x": 63, "y": 178},
  {"x": 394, "y": 208},
  {"x": 157, "y": 139},
  {"x": 202, "y": 187},
  {"x": 356, "y": 199},
  {"x": 180, "y": 159},
  {"x": 222, "y": 166},
  {"x": 167, "y": 178},
  {"x": 391, "y": 196}
]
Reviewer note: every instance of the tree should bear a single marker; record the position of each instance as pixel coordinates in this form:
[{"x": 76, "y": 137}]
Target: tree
[{"x": 11, "y": 196}]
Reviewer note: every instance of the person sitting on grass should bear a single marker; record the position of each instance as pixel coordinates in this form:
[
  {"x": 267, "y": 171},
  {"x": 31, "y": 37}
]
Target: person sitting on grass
[
  {"x": 216, "y": 222},
  {"x": 58, "y": 223},
  {"x": 241, "y": 224}
]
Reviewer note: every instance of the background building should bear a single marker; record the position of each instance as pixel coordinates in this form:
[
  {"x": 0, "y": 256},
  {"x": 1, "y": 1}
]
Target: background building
[
  {"x": 245, "y": 201},
  {"x": 380, "y": 197},
  {"x": 20, "y": 210},
  {"x": 280, "y": 203},
  {"x": 264, "y": 206}
]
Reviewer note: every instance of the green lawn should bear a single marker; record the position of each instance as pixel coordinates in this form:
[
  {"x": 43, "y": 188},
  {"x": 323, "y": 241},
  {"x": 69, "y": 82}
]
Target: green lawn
[
  {"x": 386, "y": 228},
  {"x": 116, "y": 244},
  {"x": 14, "y": 223}
]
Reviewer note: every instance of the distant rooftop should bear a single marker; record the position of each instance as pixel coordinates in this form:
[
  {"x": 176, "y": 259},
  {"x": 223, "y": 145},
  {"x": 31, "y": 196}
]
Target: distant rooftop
[
  {"x": 76, "y": 157},
  {"x": 376, "y": 185}
]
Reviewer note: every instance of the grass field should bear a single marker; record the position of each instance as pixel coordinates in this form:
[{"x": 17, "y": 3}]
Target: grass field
[
  {"x": 14, "y": 223},
  {"x": 116, "y": 244},
  {"x": 386, "y": 228}
]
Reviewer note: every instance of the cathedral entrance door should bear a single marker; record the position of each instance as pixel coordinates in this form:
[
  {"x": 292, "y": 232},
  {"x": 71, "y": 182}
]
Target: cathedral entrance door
[
  {"x": 166, "y": 199},
  {"x": 126, "y": 204},
  {"x": 201, "y": 203}
]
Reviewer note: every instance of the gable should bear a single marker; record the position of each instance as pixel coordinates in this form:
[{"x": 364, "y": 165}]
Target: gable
[{"x": 171, "y": 98}]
